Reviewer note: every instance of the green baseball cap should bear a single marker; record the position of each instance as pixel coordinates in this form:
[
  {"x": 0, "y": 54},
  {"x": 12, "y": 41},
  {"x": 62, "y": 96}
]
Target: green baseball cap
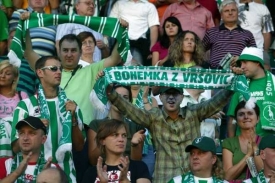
[
  {"x": 164, "y": 89},
  {"x": 267, "y": 142},
  {"x": 202, "y": 143}
]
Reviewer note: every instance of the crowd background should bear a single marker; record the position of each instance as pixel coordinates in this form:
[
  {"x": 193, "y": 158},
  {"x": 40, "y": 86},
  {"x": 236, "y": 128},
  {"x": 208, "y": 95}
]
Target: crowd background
[{"x": 163, "y": 33}]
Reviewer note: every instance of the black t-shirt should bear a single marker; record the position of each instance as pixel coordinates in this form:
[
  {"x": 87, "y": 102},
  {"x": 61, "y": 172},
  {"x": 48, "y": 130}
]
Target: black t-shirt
[{"x": 137, "y": 170}]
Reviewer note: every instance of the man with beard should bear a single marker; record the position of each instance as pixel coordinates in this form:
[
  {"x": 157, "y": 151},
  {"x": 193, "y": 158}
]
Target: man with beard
[{"x": 29, "y": 161}]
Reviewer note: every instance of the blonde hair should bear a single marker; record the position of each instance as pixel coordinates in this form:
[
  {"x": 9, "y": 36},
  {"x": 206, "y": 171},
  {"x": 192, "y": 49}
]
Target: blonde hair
[{"x": 4, "y": 64}]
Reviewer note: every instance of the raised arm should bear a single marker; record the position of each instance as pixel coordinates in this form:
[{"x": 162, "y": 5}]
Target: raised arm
[
  {"x": 113, "y": 59},
  {"x": 29, "y": 54}
]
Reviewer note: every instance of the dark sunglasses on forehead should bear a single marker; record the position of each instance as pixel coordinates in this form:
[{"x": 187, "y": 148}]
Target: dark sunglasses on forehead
[{"x": 52, "y": 68}]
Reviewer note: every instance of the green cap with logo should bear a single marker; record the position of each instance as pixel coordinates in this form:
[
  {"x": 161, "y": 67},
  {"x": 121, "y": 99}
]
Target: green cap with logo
[
  {"x": 267, "y": 142},
  {"x": 202, "y": 143}
]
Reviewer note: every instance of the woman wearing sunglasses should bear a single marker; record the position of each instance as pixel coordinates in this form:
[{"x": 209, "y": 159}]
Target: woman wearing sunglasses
[{"x": 111, "y": 138}]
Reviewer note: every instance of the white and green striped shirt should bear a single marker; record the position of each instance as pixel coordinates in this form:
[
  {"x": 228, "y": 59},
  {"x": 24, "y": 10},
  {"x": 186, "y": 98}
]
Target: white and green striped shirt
[{"x": 29, "y": 107}]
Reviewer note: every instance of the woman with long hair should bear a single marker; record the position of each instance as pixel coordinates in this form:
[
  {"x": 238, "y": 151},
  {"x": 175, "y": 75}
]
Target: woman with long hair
[
  {"x": 111, "y": 139},
  {"x": 186, "y": 51},
  {"x": 171, "y": 28},
  {"x": 237, "y": 150}
]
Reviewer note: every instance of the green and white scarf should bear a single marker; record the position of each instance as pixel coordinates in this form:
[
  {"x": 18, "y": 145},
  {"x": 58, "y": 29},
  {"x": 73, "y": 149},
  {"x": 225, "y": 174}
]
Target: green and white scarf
[
  {"x": 260, "y": 178},
  {"x": 173, "y": 77},
  {"x": 107, "y": 26},
  {"x": 65, "y": 143},
  {"x": 189, "y": 178},
  {"x": 267, "y": 116},
  {"x": 38, "y": 167},
  {"x": 5, "y": 137}
]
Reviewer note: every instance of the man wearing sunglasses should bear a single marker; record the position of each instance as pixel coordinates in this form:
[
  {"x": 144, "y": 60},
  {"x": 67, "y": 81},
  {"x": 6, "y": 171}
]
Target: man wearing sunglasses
[{"x": 60, "y": 115}]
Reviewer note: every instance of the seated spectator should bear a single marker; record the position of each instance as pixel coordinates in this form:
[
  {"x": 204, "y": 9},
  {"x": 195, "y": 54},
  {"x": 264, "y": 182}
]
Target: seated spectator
[
  {"x": 43, "y": 38},
  {"x": 203, "y": 161},
  {"x": 29, "y": 161},
  {"x": 111, "y": 138},
  {"x": 171, "y": 28},
  {"x": 186, "y": 51},
  {"x": 87, "y": 49},
  {"x": 229, "y": 37},
  {"x": 135, "y": 131},
  {"x": 267, "y": 148},
  {"x": 52, "y": 175},
  {"x": 238, "y": 149},
  {"x": 192, "y": 16}
]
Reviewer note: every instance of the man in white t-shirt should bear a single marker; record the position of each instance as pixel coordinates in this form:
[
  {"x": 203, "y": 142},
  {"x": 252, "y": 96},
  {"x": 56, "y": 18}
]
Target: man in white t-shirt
[
  {"x": 203, "y": 162},
  {"x": 30, "y": 161},
  {"x": 267, "y": 153},
  {"x": 256, "y": 18}
]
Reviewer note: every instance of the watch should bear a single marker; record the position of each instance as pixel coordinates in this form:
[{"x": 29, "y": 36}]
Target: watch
[{"x": 256, "y": 152}]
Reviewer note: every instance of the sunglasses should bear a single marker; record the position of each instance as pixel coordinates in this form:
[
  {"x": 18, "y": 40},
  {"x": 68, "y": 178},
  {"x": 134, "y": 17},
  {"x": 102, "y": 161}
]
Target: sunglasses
[{"x": 52, "y": 68}]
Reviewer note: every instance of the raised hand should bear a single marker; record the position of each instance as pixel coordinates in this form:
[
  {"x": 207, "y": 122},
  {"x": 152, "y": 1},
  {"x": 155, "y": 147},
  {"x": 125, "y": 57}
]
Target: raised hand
[
  {"x": 124, "y": 169},
  {"x": 101, "y": 170}
]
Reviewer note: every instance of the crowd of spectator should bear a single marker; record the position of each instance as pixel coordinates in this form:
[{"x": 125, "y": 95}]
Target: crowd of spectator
[{"x": 50, "y": 122}]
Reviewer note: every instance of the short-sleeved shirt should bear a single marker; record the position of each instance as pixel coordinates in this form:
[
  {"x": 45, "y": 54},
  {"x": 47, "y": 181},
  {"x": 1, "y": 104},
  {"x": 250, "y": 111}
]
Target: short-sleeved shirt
[
  {"x": 137, "y": 170},
  {"x": 257, "y": 20},
  {"x": 141, "y": 15},
  {"x": 133, "y": 128},
  {"x": 233, "y": 145},
  {"x": 80, "y": 87}
]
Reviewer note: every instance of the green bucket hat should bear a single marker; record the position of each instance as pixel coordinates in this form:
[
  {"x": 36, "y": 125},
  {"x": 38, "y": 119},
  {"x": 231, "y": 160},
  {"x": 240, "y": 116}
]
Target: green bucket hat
[
  {"x": 202, "y": 143},
  {"x": 267, "y": 142},
  {"x": 251, "y": 54}
]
